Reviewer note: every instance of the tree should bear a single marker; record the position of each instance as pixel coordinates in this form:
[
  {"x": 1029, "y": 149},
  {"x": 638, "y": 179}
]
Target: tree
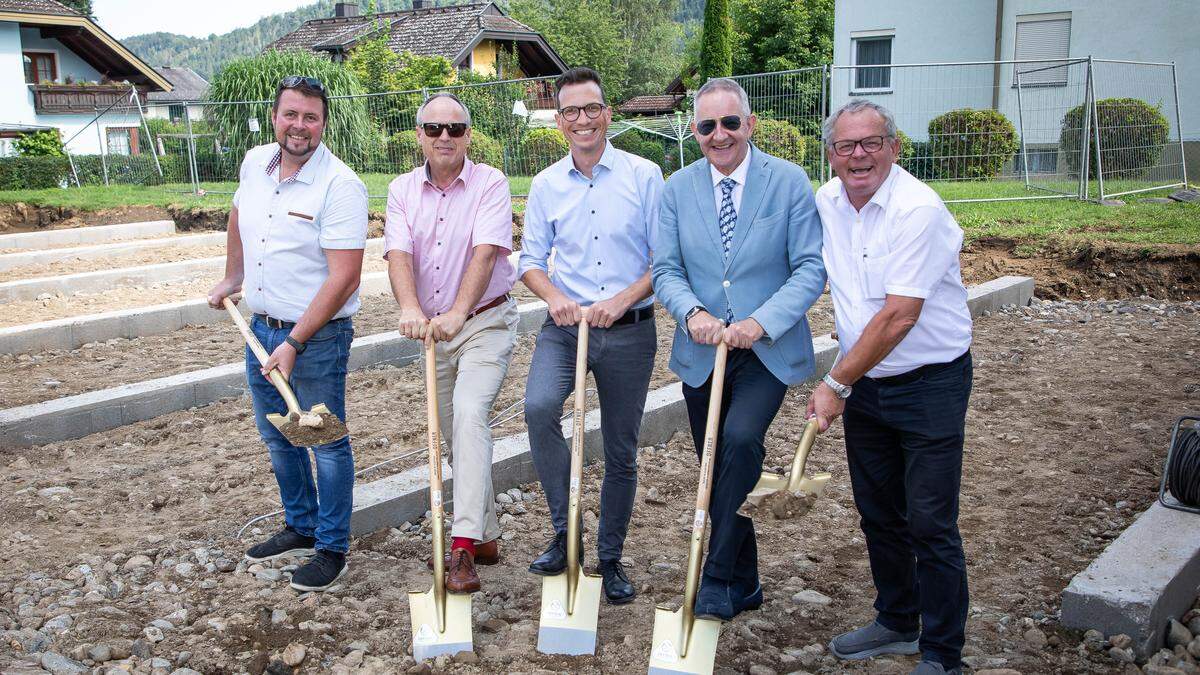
[
  {"x": 774, "y": 35},
  {"x": 716, "y": 48},
  {"x": 379, "y": 69},
  {"x": 45, "y": 143},
  {"x": 84, "y": 7},
  {"x": 584, "y": 33},
  {"x": 655, "y": 42}
]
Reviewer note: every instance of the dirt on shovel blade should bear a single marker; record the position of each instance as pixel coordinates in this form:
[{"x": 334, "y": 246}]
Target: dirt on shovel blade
[
  {"x": 778, "y": 505},
  {"x": 331, "y": 429}
]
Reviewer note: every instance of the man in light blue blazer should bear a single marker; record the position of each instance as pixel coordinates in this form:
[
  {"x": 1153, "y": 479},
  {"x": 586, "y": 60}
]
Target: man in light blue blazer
[{"x": 738, "y": 258}]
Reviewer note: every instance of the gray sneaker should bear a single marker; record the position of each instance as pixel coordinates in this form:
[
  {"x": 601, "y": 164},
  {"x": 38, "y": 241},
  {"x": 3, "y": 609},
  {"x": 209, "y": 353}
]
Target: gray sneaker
[
  {"x": 873, "y": 640},
  {"x": 933, "y": 668}
]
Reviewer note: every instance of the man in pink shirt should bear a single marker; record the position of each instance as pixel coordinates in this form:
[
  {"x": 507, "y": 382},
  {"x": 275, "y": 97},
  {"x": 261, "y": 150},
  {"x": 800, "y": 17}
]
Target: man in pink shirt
[{"x": 447, "y": 239}]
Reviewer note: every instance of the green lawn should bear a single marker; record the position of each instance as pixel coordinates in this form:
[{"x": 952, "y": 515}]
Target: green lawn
[{"x": 1137, "y": 221}]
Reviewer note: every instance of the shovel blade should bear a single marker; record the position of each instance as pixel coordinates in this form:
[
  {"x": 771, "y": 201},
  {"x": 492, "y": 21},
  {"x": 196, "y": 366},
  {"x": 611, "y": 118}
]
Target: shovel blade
[
  {"x": 773, "y": 498},
  {"x": 665, "y": 647},
  {"x": 332, "y": 428},
  {"x": 427, "y": 642},
  {"x": 560, "y": 632}
]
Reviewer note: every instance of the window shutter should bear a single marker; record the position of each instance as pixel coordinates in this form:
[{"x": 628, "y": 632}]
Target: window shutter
[{"x": 1049, "y": 39}]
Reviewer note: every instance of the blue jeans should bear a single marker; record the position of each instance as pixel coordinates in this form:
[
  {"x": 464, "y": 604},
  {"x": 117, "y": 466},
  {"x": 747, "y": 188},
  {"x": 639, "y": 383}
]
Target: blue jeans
[
  {"x": 904, "y": 444},
  {"x": 621, "y": 358},
  {"x": 320, "y": 509}
]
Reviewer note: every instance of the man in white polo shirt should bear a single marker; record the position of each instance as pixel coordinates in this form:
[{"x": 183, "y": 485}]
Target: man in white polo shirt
[
  {"x": 891, "y": 251},
  {"x": 297, "y": 231}
]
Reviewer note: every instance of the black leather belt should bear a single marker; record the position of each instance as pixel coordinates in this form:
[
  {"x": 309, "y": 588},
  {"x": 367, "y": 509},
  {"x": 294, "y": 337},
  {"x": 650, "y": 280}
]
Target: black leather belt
[
  {"x": 635, "y": 315},
  {"x": 917, "y": 373},
  {"x": 277, "y": 324}
]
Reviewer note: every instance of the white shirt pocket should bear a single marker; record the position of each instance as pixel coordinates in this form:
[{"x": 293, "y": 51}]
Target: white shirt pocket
[{"x": 875, "y": 263}]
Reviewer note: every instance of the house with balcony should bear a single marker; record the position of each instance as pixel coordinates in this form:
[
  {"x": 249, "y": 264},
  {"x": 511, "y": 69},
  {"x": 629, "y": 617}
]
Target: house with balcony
[{"x": 58, "y": 70}]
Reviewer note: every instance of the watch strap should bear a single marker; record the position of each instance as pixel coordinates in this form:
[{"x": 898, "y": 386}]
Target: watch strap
[
  {"x": 296, "y": 344},
  {"x": 842, "y": 390}
]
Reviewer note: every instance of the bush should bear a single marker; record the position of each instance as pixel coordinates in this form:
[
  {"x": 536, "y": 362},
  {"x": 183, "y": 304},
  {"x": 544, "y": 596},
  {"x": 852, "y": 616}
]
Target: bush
[
  {"x": 539, "y": 149},
  {"x": 973, "y": 144},
  {"x": 781, "y": 139},
  {"x": 644, "y": 145},
  {"x": 33, "y": 172},
  {"x": 45, "y": 143},
  {"x": 1132, "y": 135},
  {"x": 486, "y": 150}
]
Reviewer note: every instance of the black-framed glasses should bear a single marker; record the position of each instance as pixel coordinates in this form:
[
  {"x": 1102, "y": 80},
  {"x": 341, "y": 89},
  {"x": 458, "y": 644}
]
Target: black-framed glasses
[
  {"x": 730, "y": 122},
  {"x": 870, "y": 145},
  {"x": 297, "y": 80},
  {"x": 435, "y": 129},
  {"x": 592, "y": 110}
]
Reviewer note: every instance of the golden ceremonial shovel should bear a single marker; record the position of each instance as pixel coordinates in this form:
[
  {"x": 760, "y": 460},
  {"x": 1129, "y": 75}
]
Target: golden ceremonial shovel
[{"x": 779, "y": 497}]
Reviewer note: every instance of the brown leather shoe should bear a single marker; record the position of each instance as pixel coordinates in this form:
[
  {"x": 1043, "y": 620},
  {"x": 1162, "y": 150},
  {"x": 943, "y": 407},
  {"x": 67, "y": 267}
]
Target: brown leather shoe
[
  {"x": 487, "y": 553},
  {"x": 460, "y": 574}
]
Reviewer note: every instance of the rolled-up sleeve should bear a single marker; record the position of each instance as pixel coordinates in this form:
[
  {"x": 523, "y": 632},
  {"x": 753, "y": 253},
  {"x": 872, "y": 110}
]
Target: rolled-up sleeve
[
  {"x": 397, "y": 232},
  {"x": 344, "y": 219},
  {"x": 925, "y": 244},
  {"x": 493, "y": 220},
  {"x": 536, "y": 235}
]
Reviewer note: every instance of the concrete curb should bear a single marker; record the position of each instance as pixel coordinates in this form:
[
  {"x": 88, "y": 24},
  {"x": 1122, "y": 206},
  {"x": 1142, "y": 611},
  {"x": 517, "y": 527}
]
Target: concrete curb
[
  {"x": 98, "y": 234},
  {"x": 85, "y": 414},
  {"x": 387, "y": 502},
  {"x": 144, "y": 275},
  {"x": 10, "y": 261},
  {"x": 1145, "y": 577}
]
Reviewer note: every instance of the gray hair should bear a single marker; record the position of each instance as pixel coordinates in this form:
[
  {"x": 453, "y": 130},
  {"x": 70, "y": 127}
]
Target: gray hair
[
  {"x": 858, "y": 105},
  {"x": 727, "y": 85},
  {"x": 442, "y": 94}
]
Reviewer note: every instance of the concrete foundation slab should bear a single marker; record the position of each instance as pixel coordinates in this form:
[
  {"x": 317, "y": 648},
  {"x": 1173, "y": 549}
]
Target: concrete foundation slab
[
  {"x": 1147, "y": 576},
  {"x": 10, "y": 261},
  {"x": 99, "y": 234},
  {"x": 84, "y": 414}
]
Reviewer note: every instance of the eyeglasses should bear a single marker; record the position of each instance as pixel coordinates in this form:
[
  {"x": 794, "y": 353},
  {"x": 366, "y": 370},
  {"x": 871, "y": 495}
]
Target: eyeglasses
[
  {"x": 571, "y": 112},
  {"x": 297, "y": 80},
  {"x": 870, "y": 144},
  {"x": 434, "y": 130},
  {"x": 730, "y": 122}
]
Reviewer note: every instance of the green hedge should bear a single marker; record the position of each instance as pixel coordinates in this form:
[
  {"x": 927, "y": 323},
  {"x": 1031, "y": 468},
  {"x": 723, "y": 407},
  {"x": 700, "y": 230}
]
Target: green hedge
[
  {"x": 971, "y": 144},
  {"x": 404, "y": 151},
  {"x": 646, "y": 146},
  {"x": 539, "y": 149},
  {"x": 486, "y": 150},
  {"x": 33, "y": 172},
  {"x": 1132, "y": 135},
  {"x": 781, "y": 139}
]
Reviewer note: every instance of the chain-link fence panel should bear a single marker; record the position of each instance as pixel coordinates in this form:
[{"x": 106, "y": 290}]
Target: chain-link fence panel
[
  {"x": 109, "y": 145},
  {"x": 1052, "y": 125},
  {"x": 790, "y": 107}
]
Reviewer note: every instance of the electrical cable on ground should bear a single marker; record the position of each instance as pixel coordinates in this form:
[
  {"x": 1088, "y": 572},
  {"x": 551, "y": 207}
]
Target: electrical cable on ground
[{"x": 1183, "y": 472}]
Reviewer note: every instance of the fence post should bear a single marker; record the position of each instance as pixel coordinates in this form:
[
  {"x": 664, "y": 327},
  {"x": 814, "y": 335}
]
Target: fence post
[
  {"x": 1096, "y": 133},
  {"x": 1085, "y": 132},
  {"x": 1179, "y": 126},
  {"x": 1021, "y": 127},
  {"x": 825, "y": 84},
  {"x": 100, "y": 139},
  {"x": 138, "y": 102},
  {"x": 193, "y": 169}
]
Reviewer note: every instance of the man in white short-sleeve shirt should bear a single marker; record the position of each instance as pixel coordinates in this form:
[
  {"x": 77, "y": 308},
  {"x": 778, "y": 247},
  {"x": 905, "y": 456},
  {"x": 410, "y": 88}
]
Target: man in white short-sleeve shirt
[
  {"x": 903, "y": 381},
  {"x": 297, "y": 231}
]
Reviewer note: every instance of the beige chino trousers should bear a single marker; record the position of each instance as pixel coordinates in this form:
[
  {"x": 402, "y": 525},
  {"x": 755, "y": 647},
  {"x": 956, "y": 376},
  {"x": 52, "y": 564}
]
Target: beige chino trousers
[{"x": 470, "y": 370}]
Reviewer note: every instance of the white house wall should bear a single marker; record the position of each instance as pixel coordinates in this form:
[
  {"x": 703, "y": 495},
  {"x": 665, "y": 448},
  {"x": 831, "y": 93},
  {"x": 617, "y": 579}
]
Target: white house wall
[
  {"x": 69, "y": 63},
  {"x": 16, "y": 107}
]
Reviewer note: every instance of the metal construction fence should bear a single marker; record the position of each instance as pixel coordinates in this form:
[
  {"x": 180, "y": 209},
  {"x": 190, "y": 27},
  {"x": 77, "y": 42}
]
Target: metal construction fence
[{"x": 978, "y": 131}]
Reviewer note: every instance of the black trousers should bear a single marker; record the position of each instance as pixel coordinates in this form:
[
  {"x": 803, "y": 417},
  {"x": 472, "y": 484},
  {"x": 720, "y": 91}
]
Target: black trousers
[
  {"x": 904, "y": 443},
  {"x": 750, "y": 400}
]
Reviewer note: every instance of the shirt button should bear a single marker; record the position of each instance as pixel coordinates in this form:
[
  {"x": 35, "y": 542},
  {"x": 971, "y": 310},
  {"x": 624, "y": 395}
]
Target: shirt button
[
  {"x": 601, "y": 288},
  {"x": 725, "y": 283},
  {"x": 590, "y": 185},
  {"x": 599, "y": 263},
  {"x": 596, "y": 238},
  {"x": 439, "y": 243},
  {"x": 593, "y": 212},
  {"x": 441, "y": 219}
]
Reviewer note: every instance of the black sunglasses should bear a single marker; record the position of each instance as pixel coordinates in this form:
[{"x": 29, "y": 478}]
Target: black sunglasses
[
  {"x": 434, "y": 130},
  {"x": 297, "y": 80},
  {"x": 730, "y": 122},
  {"x": 571, "y": 112}
]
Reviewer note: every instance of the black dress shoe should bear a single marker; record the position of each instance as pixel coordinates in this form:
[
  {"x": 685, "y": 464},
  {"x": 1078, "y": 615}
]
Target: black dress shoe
[
  {"x": 714, "y": 600},
  {"x": 554, "y": 559},
  {"x": 617, "y": 588}
]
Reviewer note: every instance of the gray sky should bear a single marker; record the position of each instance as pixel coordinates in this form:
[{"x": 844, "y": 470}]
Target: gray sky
[{"x": 123, "y": 18}]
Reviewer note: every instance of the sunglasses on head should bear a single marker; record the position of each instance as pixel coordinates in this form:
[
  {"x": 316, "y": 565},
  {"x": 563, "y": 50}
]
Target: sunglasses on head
[
  {"x": 730, "y": 122},
  {"x": 434, "y": 130},
  {"x": 297, "y": 80}
]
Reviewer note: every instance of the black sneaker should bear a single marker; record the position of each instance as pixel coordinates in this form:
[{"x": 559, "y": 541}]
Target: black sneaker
[
  {"x": 320, "y": 572},
  {"x": 287, "y": 542}
]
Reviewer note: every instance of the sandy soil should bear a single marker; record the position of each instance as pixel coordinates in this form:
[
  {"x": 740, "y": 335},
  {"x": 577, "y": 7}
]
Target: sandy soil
[
  {"x": 106, "y": 534},
  {"x": 115, "y": 241},
  {"x": 150, "y": 256}
]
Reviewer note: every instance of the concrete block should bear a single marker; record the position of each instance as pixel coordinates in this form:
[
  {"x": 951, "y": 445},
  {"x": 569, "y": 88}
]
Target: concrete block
[
  {"x": 992, "y": 295},
  {"x": 10, "y": 261},
  {"x": 1147, "y": 576},
  {"x": 87, "y": 235}
]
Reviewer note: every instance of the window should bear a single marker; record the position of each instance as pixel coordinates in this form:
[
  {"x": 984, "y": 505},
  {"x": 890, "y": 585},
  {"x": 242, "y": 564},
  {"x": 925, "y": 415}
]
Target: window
[
  {"x": 176, "y": 112},
  {"x": 40, "y": 67},
  {"x": 1042, "y": 36},
  {"x": 122, "y": 140},
  {"x": 872, "y": 48}
]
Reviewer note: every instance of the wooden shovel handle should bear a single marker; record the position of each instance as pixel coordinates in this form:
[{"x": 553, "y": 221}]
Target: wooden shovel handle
[
  {"x": 576, "y": 476},
  {"x": 434, "y": 434},
  {"x": 711, "y": 425},
  {"x": 261, "y": 354}
]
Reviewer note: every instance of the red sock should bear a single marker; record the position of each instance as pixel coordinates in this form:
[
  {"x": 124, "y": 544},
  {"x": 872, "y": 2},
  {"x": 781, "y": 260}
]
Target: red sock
[{"x": 462, "y": 542}]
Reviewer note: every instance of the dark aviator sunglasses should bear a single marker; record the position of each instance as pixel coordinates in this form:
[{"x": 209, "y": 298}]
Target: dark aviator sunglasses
[
  {"x": 434, "y": 130},
  {"x": 730, "y": 122},
  {"x": 297, "y": 80}
]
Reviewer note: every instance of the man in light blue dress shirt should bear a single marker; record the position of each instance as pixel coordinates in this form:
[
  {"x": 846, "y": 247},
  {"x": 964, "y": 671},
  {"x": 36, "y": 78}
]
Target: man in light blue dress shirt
[{"x": 597, "y": 209}]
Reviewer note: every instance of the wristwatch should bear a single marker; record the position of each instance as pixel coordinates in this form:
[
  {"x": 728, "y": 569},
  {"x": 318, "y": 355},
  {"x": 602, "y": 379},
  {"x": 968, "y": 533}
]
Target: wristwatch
[
  {"x": 692, "y": 312},
  {"x": 296, "y": 344},
  {"x": 842, "y": 390}
]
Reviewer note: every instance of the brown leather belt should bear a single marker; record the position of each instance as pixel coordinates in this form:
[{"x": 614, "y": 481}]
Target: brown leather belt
[{"x": 495, "y": 303}]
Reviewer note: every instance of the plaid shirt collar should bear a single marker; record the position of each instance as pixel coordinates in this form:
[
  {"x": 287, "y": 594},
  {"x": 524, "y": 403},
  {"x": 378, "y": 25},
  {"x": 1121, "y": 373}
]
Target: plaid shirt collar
[{"x": 277, "y": 159}]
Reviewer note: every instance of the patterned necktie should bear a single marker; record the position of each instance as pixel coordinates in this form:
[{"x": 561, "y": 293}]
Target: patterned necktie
[{"x": 727, "y": 216}]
